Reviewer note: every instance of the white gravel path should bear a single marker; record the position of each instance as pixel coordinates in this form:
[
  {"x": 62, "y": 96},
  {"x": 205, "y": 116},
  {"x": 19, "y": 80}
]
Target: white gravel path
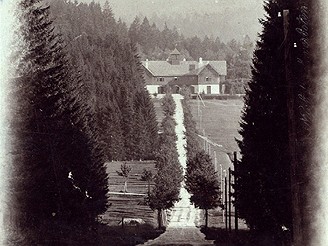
[
  {"x": 183, "y": 214},
  {"x": 182, "y": 229}
]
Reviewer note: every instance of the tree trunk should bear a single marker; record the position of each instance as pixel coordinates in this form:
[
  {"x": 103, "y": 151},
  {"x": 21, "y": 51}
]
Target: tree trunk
[
  {"x": 206, "y": 218},
  {"x": 125, "y": 186},
  {"x": 159, "y": 218}
]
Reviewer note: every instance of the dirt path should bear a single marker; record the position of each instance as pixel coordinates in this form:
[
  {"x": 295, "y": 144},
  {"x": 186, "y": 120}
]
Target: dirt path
[{"x": 181, "y": 229}]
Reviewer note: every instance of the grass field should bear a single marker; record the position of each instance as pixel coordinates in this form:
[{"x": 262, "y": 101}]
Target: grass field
[
  {"x": 124, "y": 205},
  {"x": 220, "y": 119}
]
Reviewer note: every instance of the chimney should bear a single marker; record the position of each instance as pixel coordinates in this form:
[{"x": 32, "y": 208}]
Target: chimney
[
  {"x": 184, "y": 59},
  {"x": 200, "y": 62},
  {"x": 146, "y": 63}
]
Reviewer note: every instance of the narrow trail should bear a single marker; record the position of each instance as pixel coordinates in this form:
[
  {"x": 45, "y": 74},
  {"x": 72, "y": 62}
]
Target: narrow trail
[{"x": 181, "y": 229}]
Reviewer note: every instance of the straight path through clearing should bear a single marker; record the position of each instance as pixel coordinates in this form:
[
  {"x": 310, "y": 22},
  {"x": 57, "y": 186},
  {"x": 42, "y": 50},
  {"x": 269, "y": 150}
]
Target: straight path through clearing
[{"x": 181, "y": 229}]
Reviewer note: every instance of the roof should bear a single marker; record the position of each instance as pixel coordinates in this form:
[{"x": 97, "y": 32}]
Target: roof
[
  {"x": 175, "y": 52},
  {"x": 164, "y": 68}
]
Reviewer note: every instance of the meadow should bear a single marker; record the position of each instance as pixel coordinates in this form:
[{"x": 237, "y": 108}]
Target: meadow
[
  {"x": 131, "y": 204},
  {"x": 220, "y": 120}
]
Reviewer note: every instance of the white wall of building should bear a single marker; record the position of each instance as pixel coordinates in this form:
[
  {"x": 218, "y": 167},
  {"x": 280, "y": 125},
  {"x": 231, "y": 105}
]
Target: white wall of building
[
  {"x": 152, "y": 89},
  {"x": 215, "y": 88},
  {"x": 203, "y": 88}
]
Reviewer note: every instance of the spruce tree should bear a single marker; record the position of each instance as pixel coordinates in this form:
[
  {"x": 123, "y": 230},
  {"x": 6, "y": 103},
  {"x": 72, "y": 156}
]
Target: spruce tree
[
  {"x": 58, "y": 165},
  {"x": 148, "y": 127},
  {"x": 109, "y": 122},
  {"x": 202, "y": 183},
  {"x": 263, "y": 174},
  {"x": 134, "y": 30},
  {"x": 192, "y": 146},
  {"x": 113, "y": 78},
  {"x": 169, "y": 171}
]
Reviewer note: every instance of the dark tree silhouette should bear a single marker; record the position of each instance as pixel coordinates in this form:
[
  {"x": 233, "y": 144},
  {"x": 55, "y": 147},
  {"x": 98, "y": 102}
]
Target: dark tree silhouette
[
  {"x": 58, "y": 163},
  {"x": 169, "y": 171},
  {"x": 263, "y": 174},
  {"x": 202, "y": 183}
]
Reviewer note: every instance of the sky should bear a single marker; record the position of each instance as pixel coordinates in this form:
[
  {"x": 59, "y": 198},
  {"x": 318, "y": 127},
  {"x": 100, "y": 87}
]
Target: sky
[
  {"x": 131, "y": 7},
  {"x": 250, "y": 10}
]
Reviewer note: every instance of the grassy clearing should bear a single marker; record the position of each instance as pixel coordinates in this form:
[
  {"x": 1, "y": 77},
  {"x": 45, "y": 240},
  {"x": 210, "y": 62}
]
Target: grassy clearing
[
  {"x": 125, "y": 205},
  {"x": 107, "y": 231},
  {"x": 135, "y": 184},
  {"x": 220, "y": 119}
]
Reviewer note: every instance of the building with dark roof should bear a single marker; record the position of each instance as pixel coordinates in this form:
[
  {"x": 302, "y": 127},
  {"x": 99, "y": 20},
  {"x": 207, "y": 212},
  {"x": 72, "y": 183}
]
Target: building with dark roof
[{"x": 199, "y": 76}]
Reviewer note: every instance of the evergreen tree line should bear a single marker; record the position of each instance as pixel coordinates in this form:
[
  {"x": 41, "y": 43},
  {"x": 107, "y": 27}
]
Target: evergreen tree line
[
  {"x": 58, "y": 176},
  {"x": 111, "y": 72},
  {"x": 264, "y": 194},
  {"x": 169, "y": 170},
  {"x": 191, "y": 133},
  {"x": 201, "y": 180},
  {"x": 156, "y": 44}
]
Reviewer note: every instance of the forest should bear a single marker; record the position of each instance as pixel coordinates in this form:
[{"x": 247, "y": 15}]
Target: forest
[
  {"x": 108, "y": 62},
  {"x": 156, "y": 44},
  {"x": 78, "y": 102},
  {"x": 83, "y": 29}
]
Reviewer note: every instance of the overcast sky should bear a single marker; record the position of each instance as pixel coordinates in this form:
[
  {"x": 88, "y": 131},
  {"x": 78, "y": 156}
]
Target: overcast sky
[
  {"x": 250, "y": 10},
  {"x": 124, "y": 7}
]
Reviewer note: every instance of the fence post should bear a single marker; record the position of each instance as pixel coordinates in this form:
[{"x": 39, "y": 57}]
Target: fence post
[{"x": 226, "y": 203}]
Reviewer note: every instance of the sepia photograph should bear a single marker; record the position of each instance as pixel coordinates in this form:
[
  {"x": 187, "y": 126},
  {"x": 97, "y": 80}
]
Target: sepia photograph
[{"x": 163, "y": 122}]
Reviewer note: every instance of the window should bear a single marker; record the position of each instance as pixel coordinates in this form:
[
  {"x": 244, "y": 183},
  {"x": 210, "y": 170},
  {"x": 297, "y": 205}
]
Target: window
[
  {"x": 175, "y": 78},
  {"x": 208, "y": 79},
  {"x": 192, "y": 67},
  {"x": 160, "y": 79}
]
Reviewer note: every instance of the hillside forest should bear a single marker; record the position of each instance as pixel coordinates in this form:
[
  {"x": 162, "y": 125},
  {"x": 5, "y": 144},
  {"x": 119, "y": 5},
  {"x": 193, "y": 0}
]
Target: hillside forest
[
  {"x": 83, "y": 26},
  {"x": 108, "y": 63}
]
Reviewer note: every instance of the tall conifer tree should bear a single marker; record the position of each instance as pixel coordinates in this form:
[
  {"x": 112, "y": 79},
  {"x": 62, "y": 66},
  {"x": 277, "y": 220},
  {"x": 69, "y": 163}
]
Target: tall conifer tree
[
  {"x": 169, "y": 175},
  {"x": 59, "y": 164},
  {"x": 263, "y": 174}
]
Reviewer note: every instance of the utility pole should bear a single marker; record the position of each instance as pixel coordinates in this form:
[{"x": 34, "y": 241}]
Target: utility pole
[
  {"x": 235, "y": 168},
  {"x": 229, "y": 199},
  {"x": 204, "y": 140},
  {"x": 226, "y": 203},
  {"x": 215, "y": 163},
  {"x": 222, "y": 192},
  {"x": 294, "y": 178}
]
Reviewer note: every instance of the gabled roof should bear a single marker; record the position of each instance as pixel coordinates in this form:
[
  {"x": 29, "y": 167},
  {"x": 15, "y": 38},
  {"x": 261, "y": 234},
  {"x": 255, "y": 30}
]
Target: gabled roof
[
  {"x": 164, "y": 68},
  {"x": 219, "y": 66},
  {"x": 175, "y": 52}
]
